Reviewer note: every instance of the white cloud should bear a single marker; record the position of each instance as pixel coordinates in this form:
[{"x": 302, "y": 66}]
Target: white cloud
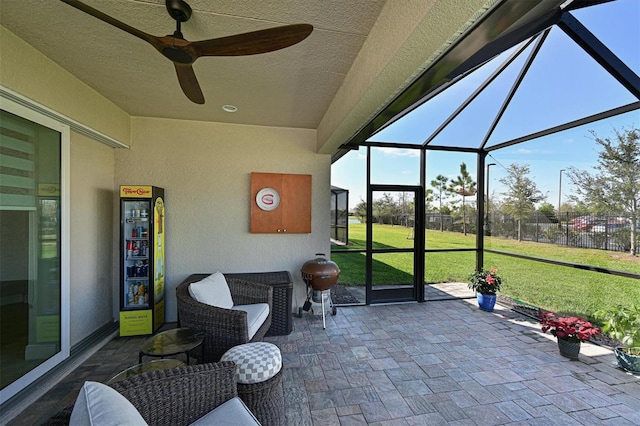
[
  {"x": 525, "y": 151},
  {"x": 399, "y": 152}
]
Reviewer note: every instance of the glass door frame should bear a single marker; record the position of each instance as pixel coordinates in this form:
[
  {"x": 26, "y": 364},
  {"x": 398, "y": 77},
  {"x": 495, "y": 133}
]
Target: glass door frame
[
  {"x": 403, "y": 294},
  {"x": 30, "y": 111}
]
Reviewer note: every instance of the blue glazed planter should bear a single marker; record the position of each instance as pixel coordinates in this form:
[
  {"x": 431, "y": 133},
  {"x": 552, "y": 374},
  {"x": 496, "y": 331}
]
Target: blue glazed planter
[
  {"x": 486, "y": 302},
  {"x": 627, "y": 361}
]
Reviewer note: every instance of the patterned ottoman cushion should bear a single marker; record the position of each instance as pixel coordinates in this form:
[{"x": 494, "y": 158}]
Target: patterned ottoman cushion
[{"x": 255, "y": 362}]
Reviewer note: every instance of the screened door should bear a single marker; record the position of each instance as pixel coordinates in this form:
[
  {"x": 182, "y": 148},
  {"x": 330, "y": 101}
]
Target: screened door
[{"x": 395, "y": 236}]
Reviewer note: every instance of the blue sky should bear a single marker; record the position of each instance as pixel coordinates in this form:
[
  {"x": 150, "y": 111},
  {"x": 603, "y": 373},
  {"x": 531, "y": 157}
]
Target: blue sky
[{"x": 563, "y": 84}]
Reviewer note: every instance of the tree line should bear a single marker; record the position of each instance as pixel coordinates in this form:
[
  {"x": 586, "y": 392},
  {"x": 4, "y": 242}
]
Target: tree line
[{"x": 613, "y": 186}]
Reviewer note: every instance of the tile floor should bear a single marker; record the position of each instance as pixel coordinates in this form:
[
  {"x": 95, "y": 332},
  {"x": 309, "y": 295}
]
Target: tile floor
[{"x": 443, "y": 362}]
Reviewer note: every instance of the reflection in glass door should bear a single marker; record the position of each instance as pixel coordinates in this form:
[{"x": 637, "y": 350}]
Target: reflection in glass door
[
  {"x": 31, "y": 250},
  {"x": 395, "y": 241}
]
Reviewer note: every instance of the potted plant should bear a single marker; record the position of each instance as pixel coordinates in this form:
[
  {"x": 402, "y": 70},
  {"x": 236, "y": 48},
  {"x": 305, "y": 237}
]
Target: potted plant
[
  {"x": 570, "y": 332},
  {"x": 623, "y": 323},
  {"x": 486, "y": 284}
]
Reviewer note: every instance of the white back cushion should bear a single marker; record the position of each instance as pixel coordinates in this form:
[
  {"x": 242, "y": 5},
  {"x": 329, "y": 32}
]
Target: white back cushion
[
  {"x": 212, "y": 290},
  {"x": 99, "y": 404}
]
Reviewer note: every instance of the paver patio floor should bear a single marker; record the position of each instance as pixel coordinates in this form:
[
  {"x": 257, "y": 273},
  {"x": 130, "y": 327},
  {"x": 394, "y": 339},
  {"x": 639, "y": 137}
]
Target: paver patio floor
[
  {"x": 446, "y": 362},
  {"x": 441, "y": 362}
]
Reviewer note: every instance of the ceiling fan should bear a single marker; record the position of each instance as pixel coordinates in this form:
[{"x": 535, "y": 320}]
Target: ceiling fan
[{"x": 183, "y": 53}]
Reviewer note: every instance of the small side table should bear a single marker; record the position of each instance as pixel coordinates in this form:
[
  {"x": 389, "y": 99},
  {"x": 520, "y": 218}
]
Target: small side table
[
  {"x": 172, "y": 342},
  {"x": 156, "y": 364}
]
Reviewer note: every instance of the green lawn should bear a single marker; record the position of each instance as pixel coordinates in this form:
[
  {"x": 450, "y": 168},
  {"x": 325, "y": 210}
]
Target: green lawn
[{"x": 559, "y": 289}]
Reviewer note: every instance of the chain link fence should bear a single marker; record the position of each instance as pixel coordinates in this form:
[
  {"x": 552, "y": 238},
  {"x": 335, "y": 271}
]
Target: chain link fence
[{"x": 606, "y": 232}]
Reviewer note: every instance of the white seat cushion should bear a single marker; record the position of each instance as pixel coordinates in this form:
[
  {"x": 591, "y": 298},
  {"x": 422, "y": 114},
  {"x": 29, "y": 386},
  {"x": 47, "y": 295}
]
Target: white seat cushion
[
  {"x": 212, "y": 290},
  {"x": 231, "y": 413},
  {"x": 99, "y": 404},
  {"x": 257, "y": 313},
  {"x": 255, "y": 362}
]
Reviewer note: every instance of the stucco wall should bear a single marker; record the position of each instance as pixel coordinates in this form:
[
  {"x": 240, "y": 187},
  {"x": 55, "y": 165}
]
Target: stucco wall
[
  {"x": 92, "y": 196},
  {"x": 31, "y": 74},
  {"x": 205, "y": 170}
]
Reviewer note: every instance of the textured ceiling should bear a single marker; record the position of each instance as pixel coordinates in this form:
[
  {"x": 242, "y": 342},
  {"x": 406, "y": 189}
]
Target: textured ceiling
[{"x": 292, "y": 87}]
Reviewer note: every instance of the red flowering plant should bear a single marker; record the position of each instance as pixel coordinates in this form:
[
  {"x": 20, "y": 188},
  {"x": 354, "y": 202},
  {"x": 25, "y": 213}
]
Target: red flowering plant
[
  {"x": 568, "y": 328},
  {"x": 485, "y": 282}
]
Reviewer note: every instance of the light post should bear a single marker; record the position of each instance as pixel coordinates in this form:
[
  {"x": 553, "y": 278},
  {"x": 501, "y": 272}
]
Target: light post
[
  {"x": 488, "y": 221},
  {"x": 560, "y": 196}
]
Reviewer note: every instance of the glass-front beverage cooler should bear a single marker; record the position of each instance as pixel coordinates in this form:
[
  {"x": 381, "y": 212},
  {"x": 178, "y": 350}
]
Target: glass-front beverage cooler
[{"x": 142, "y": 231}]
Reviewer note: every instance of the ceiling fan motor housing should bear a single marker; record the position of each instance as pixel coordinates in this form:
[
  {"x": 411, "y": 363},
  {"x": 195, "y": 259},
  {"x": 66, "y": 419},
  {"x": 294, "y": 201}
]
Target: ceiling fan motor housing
[
  {"x": 179, "y": 10},
  {"x": 177, "y": 55}
]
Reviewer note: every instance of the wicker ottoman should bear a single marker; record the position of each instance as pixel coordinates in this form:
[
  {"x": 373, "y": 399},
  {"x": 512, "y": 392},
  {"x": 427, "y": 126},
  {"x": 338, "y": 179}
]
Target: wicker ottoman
[{"x": 259, "y": 374}]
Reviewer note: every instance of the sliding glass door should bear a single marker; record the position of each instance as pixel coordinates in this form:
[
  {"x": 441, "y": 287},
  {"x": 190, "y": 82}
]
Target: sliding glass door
[{"x": 31, "y": 249}]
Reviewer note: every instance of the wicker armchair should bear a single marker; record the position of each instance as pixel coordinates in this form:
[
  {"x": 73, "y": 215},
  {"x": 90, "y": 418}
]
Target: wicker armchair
[
  {"x": 177, "y": 396},
  {"x": 223, "y": 328}
]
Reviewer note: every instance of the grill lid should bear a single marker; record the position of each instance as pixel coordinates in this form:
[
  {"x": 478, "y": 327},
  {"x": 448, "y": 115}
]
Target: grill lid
[{"x": 320, "y": 273}]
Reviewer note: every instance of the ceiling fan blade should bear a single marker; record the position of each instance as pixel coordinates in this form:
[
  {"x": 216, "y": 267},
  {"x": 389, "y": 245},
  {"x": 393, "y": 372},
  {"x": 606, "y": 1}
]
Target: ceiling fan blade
[
  {"x": 112, "y": 21},
  {"x": 255, "y": 42},
  {"x": 189, "y": 82}
]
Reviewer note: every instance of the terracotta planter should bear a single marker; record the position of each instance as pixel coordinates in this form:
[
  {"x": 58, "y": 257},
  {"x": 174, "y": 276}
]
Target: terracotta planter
[
  {"x": 569, "y": 349},
  {"x": 627, "y": 361}
]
